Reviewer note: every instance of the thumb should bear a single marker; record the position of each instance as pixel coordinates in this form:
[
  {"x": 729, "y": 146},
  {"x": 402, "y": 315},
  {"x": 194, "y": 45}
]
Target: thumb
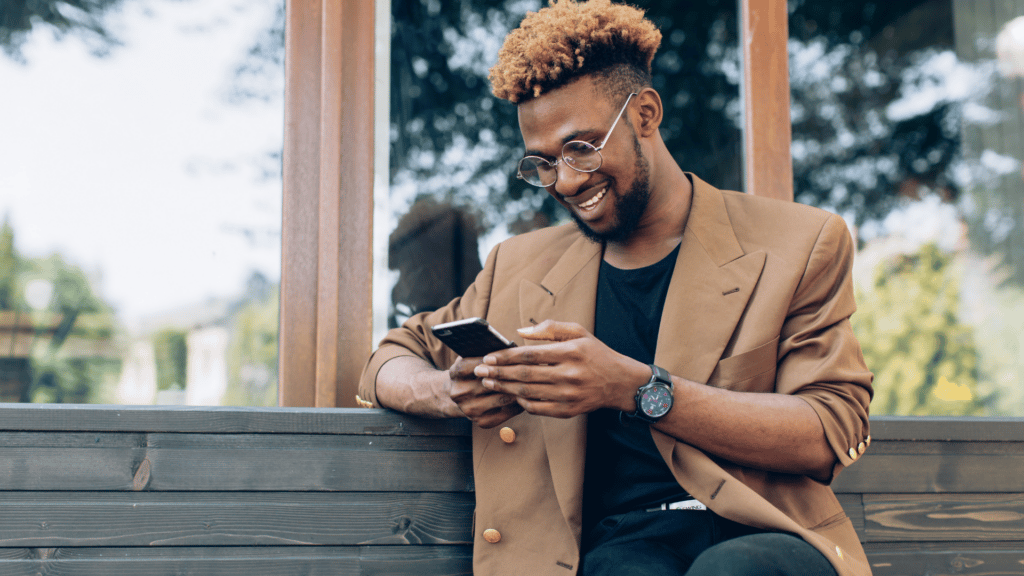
[{"x": 553, "y": 331}]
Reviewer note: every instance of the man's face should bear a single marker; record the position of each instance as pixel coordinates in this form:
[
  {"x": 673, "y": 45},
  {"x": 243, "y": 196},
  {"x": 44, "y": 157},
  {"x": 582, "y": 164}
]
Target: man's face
[{"x": 609, "y": 203}]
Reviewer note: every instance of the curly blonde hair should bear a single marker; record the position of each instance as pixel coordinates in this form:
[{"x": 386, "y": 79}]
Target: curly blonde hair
[{"x": 568, "y": 40}]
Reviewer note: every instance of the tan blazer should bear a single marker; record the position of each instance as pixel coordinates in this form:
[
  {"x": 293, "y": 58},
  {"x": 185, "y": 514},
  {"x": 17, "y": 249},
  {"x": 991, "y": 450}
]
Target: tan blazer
[{"x": 759, "y": 301}]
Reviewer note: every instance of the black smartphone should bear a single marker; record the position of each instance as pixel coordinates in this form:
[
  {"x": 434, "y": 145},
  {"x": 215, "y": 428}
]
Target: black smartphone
[{"x": 471, "y": 338}]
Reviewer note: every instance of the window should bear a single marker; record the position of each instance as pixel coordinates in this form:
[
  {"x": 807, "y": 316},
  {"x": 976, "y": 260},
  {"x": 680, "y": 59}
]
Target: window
[
  {"x": 908, "y": 119},
  {"x": 141, "y": 202}
]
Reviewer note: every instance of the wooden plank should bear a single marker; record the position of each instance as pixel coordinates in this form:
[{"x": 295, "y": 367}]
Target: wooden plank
[
  {"x": 299, "y": 233},
  {"x": 91, "y": 417},
  {"x": 240, "y": 561},
  {"x": 766, "y": 125},
  {"x": 961, "y": 558},
  {"x": 222, "y": 419},
  {"x": 934, "y": 428},
  {"x": 936, "y": 467},
  {"x": 116, "y": 519},
  {"x": 345, "y": 246},
  {"x": 943, "y": 518},
  {"x": 197, "y": 462}
]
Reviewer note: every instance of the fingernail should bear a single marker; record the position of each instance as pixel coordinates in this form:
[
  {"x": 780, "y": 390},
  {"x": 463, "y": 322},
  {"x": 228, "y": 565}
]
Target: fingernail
[
  {"x": 481, "y": 371},
  {"x": 490, "y": 360},
  {"x": 488, "y": 383}
]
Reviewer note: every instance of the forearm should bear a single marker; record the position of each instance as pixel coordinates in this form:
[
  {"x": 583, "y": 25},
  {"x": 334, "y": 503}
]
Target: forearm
[
  {"x": 766, "y": 431},
  {"x": 412, "y": 385}
]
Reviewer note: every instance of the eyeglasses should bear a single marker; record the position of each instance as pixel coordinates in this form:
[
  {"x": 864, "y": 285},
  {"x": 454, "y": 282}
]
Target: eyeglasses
[{"x": 578, "y": 155}]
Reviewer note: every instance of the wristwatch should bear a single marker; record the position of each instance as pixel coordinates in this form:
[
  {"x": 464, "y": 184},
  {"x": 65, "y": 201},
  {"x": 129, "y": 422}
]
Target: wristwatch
[{"x": 654, "y": 399}]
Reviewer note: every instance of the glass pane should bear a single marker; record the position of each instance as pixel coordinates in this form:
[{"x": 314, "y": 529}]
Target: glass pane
[
  {"x": 454, "y": 146},
  {"x": 908, "y": 119},
  {"x": 141, "y": 198}
]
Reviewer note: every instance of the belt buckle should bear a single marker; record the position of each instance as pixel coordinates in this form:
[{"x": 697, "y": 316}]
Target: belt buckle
[{"x": 691, "y": 504}]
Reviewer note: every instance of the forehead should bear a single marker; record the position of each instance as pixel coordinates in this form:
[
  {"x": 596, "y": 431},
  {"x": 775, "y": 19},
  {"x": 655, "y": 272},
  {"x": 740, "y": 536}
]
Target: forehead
[{"x": 571, "y": 111}]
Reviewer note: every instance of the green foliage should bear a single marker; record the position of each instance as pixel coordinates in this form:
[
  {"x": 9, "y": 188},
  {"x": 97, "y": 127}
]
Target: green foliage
[
  {"x": 8, "y": 268},
  {"x": 72, "y": 356},
  {"x": 924, "y": 358},
  {"x": 170, "y": 352},
  {"x": 19, "y": 17},
  {"x": 252, "y": 351}
]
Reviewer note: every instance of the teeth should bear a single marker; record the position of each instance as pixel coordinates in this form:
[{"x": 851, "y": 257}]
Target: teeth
[{"x": 593, "y": 201}]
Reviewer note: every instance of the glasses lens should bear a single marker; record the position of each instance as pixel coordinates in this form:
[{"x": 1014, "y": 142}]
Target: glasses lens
[
  {"x": 581, "y": 156},
  {"x": 537, "y": 171}
]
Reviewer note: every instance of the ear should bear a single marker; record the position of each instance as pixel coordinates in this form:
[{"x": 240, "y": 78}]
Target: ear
[{"x": 651, "y": 112}]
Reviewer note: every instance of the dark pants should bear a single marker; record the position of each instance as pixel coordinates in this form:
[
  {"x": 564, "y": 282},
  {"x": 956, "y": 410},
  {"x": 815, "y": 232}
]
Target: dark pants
[{"x": 694, "y": 543}]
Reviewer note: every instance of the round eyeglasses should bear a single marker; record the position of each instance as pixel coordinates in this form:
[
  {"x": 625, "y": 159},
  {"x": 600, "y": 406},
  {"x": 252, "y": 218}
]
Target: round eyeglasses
[{"x": 578, "y": 155}]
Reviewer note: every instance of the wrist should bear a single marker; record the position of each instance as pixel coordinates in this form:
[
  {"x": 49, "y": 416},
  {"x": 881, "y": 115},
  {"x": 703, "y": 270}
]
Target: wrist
[{"x": 639, "y": 375}]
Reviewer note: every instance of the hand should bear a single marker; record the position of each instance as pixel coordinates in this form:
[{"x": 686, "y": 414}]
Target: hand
[
  {"x": 484, "y": 407},
  {"x": 575, "y": 374}
]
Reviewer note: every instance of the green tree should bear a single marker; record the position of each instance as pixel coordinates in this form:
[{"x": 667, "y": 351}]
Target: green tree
[
  {"x": 79, "y": 360},
  {"x": 18, "y": 18},
  {"x": 8, "y": 267},
  {"x": 924, "y": 358},
  {"x": 252, "y": 349},
  {"x": 170, "y": 352}
]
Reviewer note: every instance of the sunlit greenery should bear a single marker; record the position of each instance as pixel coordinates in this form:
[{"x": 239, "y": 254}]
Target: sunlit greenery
[{"x": 924, "y": 358}]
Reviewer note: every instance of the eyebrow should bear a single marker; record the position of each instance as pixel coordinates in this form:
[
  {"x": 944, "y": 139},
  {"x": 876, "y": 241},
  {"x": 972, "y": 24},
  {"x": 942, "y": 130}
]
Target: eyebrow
[{"x": 569, "y": 138}]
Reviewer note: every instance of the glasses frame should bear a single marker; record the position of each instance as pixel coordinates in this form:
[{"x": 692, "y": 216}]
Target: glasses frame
[{"x": 561, "y": 159}]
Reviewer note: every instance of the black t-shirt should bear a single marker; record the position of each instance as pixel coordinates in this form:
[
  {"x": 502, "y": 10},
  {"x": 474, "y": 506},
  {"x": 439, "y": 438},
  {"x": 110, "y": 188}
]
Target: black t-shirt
[{"x": 624, "y": 470}]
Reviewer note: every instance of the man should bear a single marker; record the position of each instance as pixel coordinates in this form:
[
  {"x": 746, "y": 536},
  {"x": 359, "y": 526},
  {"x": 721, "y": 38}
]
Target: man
[{"x": 687, "y": 381}]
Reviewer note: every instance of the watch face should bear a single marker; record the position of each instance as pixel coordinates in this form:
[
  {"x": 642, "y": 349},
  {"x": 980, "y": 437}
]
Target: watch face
[{"x": 656, "y": 401}]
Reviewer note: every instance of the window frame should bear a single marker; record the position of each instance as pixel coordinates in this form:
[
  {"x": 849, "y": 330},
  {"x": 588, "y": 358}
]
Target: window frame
[{"x": 326, "y": 321}]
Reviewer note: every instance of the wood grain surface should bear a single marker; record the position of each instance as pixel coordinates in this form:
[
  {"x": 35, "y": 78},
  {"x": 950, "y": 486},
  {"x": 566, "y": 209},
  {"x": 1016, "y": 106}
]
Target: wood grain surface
[
  {"x": 232, "y": 462},
  {"x": 239, "y": 561},
  {"x": 108, "y": 519},
  {"x": 97, "y": 490}
]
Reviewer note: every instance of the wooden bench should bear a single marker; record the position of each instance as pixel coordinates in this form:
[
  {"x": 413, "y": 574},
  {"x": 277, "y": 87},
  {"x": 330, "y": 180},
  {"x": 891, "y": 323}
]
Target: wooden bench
[{"x": 280, "y": 491}]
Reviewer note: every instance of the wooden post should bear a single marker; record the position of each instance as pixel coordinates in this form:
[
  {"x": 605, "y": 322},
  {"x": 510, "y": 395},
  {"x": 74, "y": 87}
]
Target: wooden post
[
  {"x": 764, "y": 33},
  {"x": 327, "y": 261}
]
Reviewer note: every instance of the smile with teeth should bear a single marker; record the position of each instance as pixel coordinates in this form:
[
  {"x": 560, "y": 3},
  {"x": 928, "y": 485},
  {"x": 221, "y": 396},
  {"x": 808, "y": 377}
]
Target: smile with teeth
[{"x": 589, "y": 204}]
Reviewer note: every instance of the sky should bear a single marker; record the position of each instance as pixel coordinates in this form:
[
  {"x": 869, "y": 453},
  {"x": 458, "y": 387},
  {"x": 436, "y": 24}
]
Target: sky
[{"x": 136, "y": 167}]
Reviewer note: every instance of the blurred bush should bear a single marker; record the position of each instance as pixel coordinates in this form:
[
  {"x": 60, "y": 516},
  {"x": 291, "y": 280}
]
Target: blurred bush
[{"x": 924, "y": 357}]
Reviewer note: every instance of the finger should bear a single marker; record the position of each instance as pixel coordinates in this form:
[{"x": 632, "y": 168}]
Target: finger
[
  {"x": 498, "y": 416},
  {"x": 541, "y": 392},
  {"x": 462, "y": 369},
  {"x": 541, "y": 354},
  {"x": 525, "y": 373},
  {"x": 553, "y": 330},
  {"x": 478, "y": 406},
  {"x": 546, "y": 408}
]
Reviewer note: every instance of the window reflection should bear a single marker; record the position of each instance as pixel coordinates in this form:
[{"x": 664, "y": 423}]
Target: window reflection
[
  {"x": 906, "y": 122},
  {"x": 140, "y": 198},
  {"x": 454, "y": 147}
]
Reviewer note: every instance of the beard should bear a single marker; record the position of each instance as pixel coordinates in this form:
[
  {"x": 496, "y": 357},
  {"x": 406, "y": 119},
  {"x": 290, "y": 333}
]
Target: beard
[{"x": 629, "y": 207}]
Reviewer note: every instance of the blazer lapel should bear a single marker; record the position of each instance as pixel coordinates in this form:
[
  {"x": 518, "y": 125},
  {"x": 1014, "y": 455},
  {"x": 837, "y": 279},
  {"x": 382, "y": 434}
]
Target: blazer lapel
[
  {"x": 711, "y": 283},
  {"x": 569, "y": 294}
]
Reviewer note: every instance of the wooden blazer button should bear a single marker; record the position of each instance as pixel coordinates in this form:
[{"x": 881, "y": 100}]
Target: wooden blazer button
[
  {"x": 868, "y": 440},
  {"x": 853, "y": 453},
  {"x": 861, "y": 447},
  {"x": 507, "y": 434},
  {"x": 492, "y": 535}
]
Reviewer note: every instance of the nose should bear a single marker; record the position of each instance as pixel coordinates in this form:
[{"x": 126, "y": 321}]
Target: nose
[{"x": 569, "y": 180}]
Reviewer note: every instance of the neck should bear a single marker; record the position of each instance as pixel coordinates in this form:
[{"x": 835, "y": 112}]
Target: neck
[{"x": 661, "y": 227}]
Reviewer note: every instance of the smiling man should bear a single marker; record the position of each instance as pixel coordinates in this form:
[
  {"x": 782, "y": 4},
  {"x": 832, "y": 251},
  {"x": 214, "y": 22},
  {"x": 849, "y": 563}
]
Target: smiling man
[{"x": 687, "y": 382}]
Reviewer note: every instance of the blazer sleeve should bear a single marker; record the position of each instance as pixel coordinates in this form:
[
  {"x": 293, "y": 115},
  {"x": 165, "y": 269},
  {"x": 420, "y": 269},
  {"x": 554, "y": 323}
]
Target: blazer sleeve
[
  {"x": 820, "y": 359},
  {"x": 414, "y": 338}
]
